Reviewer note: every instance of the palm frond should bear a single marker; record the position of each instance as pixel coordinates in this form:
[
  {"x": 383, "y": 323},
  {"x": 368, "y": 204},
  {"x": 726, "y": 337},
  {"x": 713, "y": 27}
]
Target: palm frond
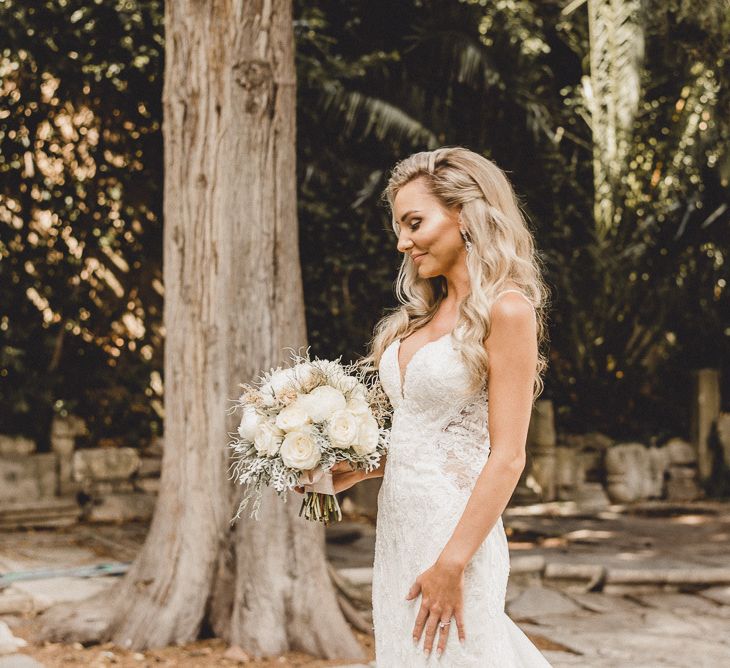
[
  {"x": 363, "y": 115},
  {"x": 612, "y": 94}
]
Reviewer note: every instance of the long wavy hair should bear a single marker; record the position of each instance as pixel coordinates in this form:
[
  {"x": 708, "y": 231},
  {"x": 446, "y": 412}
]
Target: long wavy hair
[{"x": 503, "y": 251}]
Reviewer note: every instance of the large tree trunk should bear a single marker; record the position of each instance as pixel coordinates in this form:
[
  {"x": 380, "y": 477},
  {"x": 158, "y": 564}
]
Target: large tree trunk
[{"x": 233, "y": 302}]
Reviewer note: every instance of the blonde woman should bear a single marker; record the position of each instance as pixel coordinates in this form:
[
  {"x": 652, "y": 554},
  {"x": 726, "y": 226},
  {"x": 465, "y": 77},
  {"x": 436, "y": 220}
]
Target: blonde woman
[{"x": 461, "y": 363}]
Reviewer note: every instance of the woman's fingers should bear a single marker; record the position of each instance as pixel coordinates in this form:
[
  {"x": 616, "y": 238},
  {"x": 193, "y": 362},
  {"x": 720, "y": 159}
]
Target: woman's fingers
[
  {"x": 443, "y": 633},
  {"x": 431, "y": 626},
  {"x": 458, "y": 615}
]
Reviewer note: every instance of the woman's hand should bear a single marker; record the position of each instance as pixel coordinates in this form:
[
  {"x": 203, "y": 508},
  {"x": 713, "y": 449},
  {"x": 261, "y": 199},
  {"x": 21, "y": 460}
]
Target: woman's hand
[
  {"x": 343, "y": 477},
  {"x": 442, "y": 592}
]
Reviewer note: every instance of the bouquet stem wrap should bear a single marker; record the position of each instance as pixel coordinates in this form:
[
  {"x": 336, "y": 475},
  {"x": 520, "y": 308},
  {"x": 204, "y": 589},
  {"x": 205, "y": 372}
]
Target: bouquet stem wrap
[{"x": 320, "y": 501}]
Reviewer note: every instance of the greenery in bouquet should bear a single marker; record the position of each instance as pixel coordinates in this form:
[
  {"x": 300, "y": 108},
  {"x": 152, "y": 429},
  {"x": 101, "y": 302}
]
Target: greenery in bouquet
[{"x": 299, "y": 421}]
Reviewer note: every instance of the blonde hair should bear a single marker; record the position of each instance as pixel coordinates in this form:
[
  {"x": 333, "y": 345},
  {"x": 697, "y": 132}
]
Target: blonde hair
[{"x": 503, "y": 250}]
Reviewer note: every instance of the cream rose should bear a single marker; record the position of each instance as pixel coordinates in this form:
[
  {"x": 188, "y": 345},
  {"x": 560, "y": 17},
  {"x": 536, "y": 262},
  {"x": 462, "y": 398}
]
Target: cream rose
[
  {"x": 306, "y": 376},
  {"x": 268, "y": 439},
  {"x": 321, "y": 402},
  {"x": 342, "y": 428},
  {"x": 358, "y": 406},
  {"x": 292, "y": 417},
  {"x": 367, "y": 437},
  {"x": 249, "y": 423},
  {"x": 360, "y": 391},
  {"x": 299, "y": 450},
  {"x": 281, "y": 382}
]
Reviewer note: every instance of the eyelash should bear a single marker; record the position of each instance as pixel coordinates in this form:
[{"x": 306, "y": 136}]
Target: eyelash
[{"x": 419, "y": 222}]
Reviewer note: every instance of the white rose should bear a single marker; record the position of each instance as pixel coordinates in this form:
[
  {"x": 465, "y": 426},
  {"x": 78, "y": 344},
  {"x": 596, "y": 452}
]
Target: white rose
[
  {"x": 249, "y": 423},
  {"x": 268, "y": 439},
  {"x": 342, "y": 428},
  {"x": 299, "y": 450},
  {"x": 360, "y": 391},
  {"x": 322, "y": 401},
  {"x": 267, "y": 394},
  {"x": 305, "y": 375},
  {"x": 347, "y": 383},
  {"x": 358, "y": 406},
  {"x": 294, "y": 416},
  {"x": 367, "y": 437},
  {"x": 281, "y": 381}
]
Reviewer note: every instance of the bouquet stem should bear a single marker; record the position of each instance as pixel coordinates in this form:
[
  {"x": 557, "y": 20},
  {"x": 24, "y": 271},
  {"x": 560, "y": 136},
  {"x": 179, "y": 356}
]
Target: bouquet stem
[{"x": 320, "y": 507}]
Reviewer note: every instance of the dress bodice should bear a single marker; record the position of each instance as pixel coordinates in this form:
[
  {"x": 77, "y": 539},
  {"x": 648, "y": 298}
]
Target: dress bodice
[{"x": 439, "y": 426}]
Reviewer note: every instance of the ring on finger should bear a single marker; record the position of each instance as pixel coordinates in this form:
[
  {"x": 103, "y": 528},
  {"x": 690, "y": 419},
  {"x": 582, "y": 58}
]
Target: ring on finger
[{"x": 443, "y": 624}]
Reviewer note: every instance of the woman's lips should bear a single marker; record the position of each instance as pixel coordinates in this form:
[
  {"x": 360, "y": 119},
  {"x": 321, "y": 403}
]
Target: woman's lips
[{"x": 416, "y": 258}]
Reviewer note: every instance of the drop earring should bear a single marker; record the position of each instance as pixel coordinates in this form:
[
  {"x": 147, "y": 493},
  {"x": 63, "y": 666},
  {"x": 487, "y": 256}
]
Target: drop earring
[{"x": 467, "y": 242}]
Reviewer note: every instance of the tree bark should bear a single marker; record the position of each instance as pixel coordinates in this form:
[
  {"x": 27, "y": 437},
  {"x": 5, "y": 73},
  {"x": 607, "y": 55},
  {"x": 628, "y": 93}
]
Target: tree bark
[{"x": 233, "y": 302}]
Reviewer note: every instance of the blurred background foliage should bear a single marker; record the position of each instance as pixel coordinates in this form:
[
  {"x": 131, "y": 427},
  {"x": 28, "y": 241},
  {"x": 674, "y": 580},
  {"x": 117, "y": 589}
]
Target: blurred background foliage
[{"x": 638, "y": 303}]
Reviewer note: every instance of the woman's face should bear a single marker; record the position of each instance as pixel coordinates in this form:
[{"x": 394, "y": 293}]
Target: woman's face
[{"x": 428, "y": 233}]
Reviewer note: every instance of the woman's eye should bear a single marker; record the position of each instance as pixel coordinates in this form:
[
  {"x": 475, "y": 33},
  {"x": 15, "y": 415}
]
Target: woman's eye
[{"x": 415, "y": 225}]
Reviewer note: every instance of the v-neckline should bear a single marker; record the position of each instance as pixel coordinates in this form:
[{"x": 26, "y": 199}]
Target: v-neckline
[{"x": 402, "y": 376}]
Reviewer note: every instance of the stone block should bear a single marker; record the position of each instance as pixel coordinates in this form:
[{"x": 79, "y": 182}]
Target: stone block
[
  {"x": 105, "y": 464},
  {"x": 147, "y": 485},
  {"x": 149, "y": 467},
  {"x": 16, "y": 445},
  {"x": 29, "y": 477},
  {"x": 122, "y": 508},
  {"x": 628, "y": 472},
  {"x": 536, "y": 602},
  {"x": 680, "y": 451}
]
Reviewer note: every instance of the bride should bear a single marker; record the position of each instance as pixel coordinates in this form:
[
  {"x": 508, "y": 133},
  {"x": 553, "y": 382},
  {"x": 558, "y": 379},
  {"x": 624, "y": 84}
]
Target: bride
[{"x": 461, "y": 364}]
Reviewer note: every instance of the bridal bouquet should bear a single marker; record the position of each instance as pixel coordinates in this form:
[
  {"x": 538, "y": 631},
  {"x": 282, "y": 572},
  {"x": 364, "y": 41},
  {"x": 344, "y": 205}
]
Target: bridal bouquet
[{"x": 298, "y": 422}]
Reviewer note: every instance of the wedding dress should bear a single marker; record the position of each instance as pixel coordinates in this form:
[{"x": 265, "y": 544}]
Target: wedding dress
[{"x": 439, "y": 443}]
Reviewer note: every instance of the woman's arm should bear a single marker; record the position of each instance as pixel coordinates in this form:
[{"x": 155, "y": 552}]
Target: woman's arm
[{"x": 512, "y": 349}]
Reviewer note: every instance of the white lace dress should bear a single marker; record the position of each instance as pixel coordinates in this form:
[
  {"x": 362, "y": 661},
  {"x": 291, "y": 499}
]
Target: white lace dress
[{"x": 439, "y": 444}]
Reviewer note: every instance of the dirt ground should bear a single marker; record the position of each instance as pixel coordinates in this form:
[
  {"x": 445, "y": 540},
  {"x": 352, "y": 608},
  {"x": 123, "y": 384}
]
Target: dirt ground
[{"x": 200, "y": 654}]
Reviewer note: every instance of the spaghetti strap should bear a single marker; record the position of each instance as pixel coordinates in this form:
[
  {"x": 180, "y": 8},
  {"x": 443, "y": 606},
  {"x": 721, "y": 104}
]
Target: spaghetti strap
[{"x": 513, "y": 290}]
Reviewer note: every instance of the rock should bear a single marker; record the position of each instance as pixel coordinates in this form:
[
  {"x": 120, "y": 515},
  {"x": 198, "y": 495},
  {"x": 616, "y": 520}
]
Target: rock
[
  {"x": 680, "y": 451},
  {"x": 14, "y": 602},
  {"x": 26, "y": 478},
  {"x": 16, "y": 445},
  {"x": 122, "y": 508},
  {"x": 719, "y": 595},
  {"x": 236, "y": 653},
  {"x": 103, "y": 464},
  {"x": 628, "y": 472},
  {"x": 574, "y": 577},
  {"x": 536, "y": 602},
  {"x": 659, "y": 459},
  {"x": 682, "y": 484},
  {"x": 149, "y": 467},
  {"x": 357, "y": 576},
  {"x": 9, "y": 644},
  {"x": 63, "y": 589},
  {"x": 591, "y": 496},
  {"x": 147, "y": 485}
]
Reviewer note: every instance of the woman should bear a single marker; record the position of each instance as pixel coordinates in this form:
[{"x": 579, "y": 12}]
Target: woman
[{"x": 461, "y": 364}]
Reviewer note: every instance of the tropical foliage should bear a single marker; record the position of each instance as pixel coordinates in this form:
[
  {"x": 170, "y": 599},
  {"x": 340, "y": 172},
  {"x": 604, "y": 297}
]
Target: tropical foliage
[{"x": 611, "y": 117}]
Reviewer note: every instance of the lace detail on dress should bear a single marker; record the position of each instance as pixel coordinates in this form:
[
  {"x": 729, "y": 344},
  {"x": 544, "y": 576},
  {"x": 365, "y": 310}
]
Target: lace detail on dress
[{"x": 463, "y": 443}]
